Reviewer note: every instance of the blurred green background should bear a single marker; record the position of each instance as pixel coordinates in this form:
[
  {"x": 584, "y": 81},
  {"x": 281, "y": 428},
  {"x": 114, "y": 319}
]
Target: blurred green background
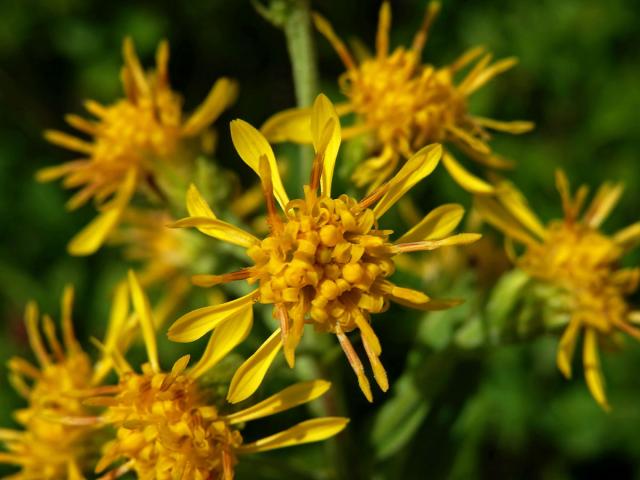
[{"x": 481, "y": 412}]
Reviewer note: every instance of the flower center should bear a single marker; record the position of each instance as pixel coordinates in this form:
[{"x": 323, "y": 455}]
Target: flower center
[
  {"x": 165, "y": 426},
  {"x": 326, "y": 261}
]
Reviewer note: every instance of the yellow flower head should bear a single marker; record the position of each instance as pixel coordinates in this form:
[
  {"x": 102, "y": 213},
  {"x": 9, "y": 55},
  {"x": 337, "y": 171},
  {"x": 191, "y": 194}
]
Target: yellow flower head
[
  {"x": 128, "y": 142},
  {"x": 167, "y": 428},
  {"x": 406, "y": 105},
  {"x": 576, "y": 256},
  {"x": 53, "y": 444},
  {"x": 325, "y": 262}
]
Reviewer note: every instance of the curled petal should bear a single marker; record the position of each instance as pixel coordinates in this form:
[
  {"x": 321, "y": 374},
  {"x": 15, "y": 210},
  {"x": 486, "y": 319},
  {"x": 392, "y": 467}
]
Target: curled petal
[{"x": 438, "y": 223}]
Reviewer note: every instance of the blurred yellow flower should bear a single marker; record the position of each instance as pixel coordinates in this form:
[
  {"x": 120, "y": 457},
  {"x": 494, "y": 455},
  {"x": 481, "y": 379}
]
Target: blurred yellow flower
[
  {"x": 60, "y": 438},
  {"x": 577, "y": 257},
  {"x": 130, "y": 140},
  {"x": 166, "y": 429},
  {"x": 325, "y": 263},
  {"x": 405, "y": 105}
]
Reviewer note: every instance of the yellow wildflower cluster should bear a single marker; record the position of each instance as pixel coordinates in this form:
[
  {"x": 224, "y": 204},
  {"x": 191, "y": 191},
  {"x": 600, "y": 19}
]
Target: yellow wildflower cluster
[
  {"x": 574, "y": 255},
  {"x": 405, "y": 105}
]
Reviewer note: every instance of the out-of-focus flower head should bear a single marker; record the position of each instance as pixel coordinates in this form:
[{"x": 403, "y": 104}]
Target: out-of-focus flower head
[
  {"x": 574, "y": 255},
  {"x": 131, "y": 142},
  {"x": 405, "y": 105},
  {"x": 167, "y": 428},
  {"x": 57, "y": 440},
  {"x": 326, "y": 262}
]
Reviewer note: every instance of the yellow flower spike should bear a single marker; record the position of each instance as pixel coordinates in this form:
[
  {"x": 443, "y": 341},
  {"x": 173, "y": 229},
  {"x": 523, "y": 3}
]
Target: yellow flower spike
[
  {"x": 403, "y": 104},
  {"x": 325, "y": 260},
  {"x": 199, "y": 322},
  {"x": 249, "y": 375},
  {"x": 164, "y": 425},
  {"x": 138, "y": 136},
  {"x": 59, "y": 436},
  {"x": 250, "y": 145},
  {"x": 573, "y": 255}
]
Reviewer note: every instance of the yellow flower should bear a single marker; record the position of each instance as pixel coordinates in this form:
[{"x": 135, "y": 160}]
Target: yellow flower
[
  {"x": 166, "y": 429},
  {"x": 576, "y": 256},
  {"x": 130, "y": 140},
  {"x": 52, "y": 445},
  {"x": 405, "y": 105},
  {"x": 325, "y": 263}
]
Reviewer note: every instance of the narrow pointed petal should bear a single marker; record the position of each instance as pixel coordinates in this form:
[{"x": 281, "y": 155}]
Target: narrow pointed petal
[
  {"x": 567, "y": 347},
  {"x": 91, "y": 237},
  {"x": 143, "y": 310},
  {"x": 495, "y": 214},
  {"x": 513, "y": 201},
  {"x": 592, "y": 368},
  {"x": 325, "y": 28},
  {"x": 420, "y": 165},
  {"x": 218, "y": 229},
  {"x": 250, "y": 145},
  {"x": 515, "y": 127},
  {"x": 250, "y": 374},
  {"x": 284, "y": 400},
  {"x": 603, "y": 203},
  {"x": 197, "y": 206},
  {"x": 291, "y": 125},
  {"x": 305, "y": 432},
  {"x": 223, "y": 94},
  {"x": 132, "y": 63},
  {"x": 31, "y": 318},
  {"x": 227, "y": 336},
  {"x": 438, "y": 223},
  {"x": 427, "y": 245},
  {"x": 464, "y": 178},
  {"x": 629, "y": 237},
  {"x": 356, "y": 364},
  {"x": 323, "y": 114},
  {"x": 48, "y": 174},
  {"x": 382, "y": 35},
  {"x": 197, "y": 323},
  {"x": 67, "y": 141}
]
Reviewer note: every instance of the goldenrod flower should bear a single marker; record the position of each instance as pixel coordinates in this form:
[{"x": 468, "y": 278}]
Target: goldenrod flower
[
  {"x": 326, "y": 262},
  {"x": 405, "y": 105},
  {"x": 131, "y": 141},
  {"x": 576, "y": 256},
  {"x": 166, "y": 429},
  {"x": 52, "y": 445}
]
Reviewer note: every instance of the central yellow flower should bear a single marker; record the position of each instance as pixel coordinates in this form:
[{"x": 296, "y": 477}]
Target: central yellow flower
[
  {"x": 326, "y": 262},
  {"x": 404, "y": 105},
  {"x": 166, "y": 427},
  {"x": 584, "y": 263},
  {"x": 131, "y": 139}
]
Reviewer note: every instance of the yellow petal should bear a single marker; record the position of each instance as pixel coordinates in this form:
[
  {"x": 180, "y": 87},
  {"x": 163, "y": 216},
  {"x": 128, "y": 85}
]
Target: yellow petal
[
  {"x": 629, "y": 237},
  {"x": 468, "y": 139},
  {"x": 67, "y": 141},
  {"x": 197, "y": 206},
  {"x": 223, "y": 93},
  {"x": 227, "y": 336},
  {"x": 197, "y": 323},
  {"x": 251, "y": 144},
  {"x": 592, "y": 369},
  {"x": 464, "y": 178},
  {"x": 91, "y": 237},
  {"x": 48, "y": 174},
  {"x": 291, "y": 125},
  {"x": 495, "y": 214},
  {"x": 438, "y": 223},
  {"x": 132, "y": 63},
  {"x": 250, "y": 374},
  {"x": 325, "y": 28},
  {"x": 382, "y": 35},
  {"x": 514, "y": 127},
  {"x": 515, "y": 203},
  {"x": 284, "y": 400},
  {"x": 143, "y": 310},
  {"x": 427, "y": 245},
  {"x": 566, "y": 348},
  {"x": 431, "y": 305},
  {"x": 323, "y": 114},
  {"x": 305, "y": 432},
  {"x": 421, "y": 164},
  {"x": 604, "y": 201},
  {"x": 218, "y": 229},
  {"x": 486, "y": 74}
]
